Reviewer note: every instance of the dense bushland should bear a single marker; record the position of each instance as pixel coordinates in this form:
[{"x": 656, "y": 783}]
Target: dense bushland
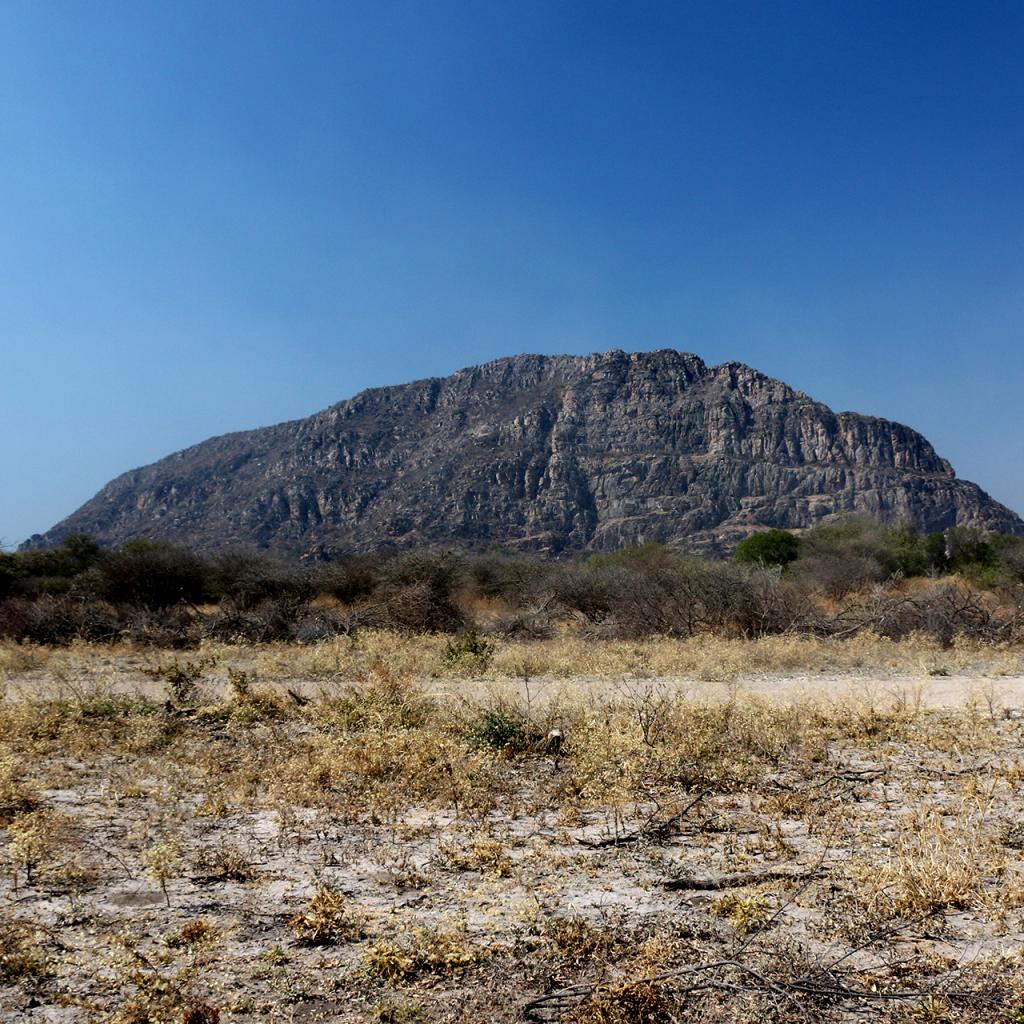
[{"x": 838, "y": 579}]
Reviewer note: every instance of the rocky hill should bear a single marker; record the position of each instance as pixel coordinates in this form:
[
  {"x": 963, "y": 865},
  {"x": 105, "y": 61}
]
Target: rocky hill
[{"x": 555, "y": 453}]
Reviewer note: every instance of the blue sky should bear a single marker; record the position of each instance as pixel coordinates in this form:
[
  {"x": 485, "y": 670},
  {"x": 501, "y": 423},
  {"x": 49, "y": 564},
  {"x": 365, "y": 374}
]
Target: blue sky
[{"x": 220, "y": 215}]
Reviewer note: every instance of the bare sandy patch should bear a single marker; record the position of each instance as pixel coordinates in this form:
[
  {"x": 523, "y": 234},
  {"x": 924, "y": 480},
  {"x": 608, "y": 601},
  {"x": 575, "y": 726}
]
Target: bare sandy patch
[{"x": 212, "y": 845}]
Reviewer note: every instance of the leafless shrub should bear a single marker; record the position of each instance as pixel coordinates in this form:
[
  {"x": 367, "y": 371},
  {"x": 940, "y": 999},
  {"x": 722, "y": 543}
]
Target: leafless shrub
[
  {"x": 680, "y": 597},
  {"x": 531, "y": 624},
  {"x": 837, "y": 575},
  {"x": 651, "y": 705},
  {"x": 58, "y": 620},
  {"x": 417, "y": 594},
  {"x": 943, "y": 611},
  {"x": 851, "y": 577},
  {"x": 520, "y": 582},
  {"x": 349, "y": 579},
  {"x": 244, "y": 581},
  {"x": 17, "y": 794},
  {"x": 274, "y": 619},
  {"x": 177, "y": 626}
]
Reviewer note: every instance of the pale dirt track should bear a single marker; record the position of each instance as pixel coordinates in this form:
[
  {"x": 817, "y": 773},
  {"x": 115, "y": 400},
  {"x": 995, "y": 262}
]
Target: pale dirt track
[{"x": 990, "y": 692}]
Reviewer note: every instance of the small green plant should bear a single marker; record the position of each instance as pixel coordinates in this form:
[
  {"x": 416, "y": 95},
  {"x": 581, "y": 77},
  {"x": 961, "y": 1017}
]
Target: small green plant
[
  {"x": 249, "y": 706},
  {"x": 114, "y": 705},
  {"x": 745, "y": 913},
  {"x": 470, "y": 647},
  {"x": 388, "y": 960},
  {"x": 225, "y": 863},
  {"x": 441, "y": 952},
  {"x": 932, "y": 1010},
  {"x": 240, "y": 684},
  {"x": 397, "y": 1011},
  {"x": 488, "y": 856},
  {"x": 631, "y": 1002},
  {"x": 577, "y": 940},
  {"x": 501, "y": 729},
  {"x": 157, "y": 992},
  {"x": 181, "y": 678},
  {"x": 275, "y": 956}
]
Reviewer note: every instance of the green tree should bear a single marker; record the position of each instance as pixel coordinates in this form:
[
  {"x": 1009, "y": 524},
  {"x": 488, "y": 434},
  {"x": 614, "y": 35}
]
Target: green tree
[{"x": 769, "y": 547}]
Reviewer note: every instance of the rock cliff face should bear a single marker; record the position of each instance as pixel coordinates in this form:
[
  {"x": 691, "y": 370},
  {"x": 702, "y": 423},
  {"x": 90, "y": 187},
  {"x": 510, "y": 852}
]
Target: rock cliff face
[{"x": 555, "y": 453}]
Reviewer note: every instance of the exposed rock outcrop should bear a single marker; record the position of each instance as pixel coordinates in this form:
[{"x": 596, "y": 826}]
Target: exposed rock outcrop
[{"x": 556, "y": 453}]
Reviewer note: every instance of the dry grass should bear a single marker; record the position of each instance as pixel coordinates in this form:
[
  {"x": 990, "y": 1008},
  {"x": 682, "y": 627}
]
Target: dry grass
[
  {"x": 23, "y": 957},
  {"x": 376, "y": 655},
  {"x": 327, "y": 920},
  {"x": 395, "y": 850},
  {"x": 939, "y": 862}
]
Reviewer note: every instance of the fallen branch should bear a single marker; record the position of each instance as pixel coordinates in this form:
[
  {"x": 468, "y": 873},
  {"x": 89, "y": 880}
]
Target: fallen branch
[
  {"x": 737, "y": 878},
  {"x": 826, "y": 986},
  {"x": 650, "y": 831}
]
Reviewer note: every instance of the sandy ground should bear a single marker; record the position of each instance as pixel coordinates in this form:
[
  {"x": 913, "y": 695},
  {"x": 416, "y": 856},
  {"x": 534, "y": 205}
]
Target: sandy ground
[
  {"x": 480, "y": 903},
  {"x": 885, "y": 690}
]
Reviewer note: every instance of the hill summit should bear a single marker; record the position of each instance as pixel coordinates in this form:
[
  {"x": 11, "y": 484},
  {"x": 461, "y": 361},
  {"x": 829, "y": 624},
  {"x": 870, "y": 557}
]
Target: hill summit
[{"x": 544, "y": 453}]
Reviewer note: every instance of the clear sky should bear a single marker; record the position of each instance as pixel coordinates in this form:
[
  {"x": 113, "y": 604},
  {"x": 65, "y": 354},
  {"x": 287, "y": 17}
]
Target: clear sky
[{"x": 216, "y": 216}]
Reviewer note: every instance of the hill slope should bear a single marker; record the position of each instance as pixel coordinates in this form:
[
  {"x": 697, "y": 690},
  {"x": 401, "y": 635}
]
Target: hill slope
[{"x": 547, "y": 453}]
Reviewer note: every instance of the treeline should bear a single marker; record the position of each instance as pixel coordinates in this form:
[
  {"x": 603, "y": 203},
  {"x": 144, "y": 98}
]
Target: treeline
[
  {"x": 834, "y": 580},
  {"x": 842, "y": 557}
]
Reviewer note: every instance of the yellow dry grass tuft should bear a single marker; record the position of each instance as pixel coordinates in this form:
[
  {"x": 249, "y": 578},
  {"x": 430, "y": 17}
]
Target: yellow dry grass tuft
[{"x": 327, "y": 920}]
